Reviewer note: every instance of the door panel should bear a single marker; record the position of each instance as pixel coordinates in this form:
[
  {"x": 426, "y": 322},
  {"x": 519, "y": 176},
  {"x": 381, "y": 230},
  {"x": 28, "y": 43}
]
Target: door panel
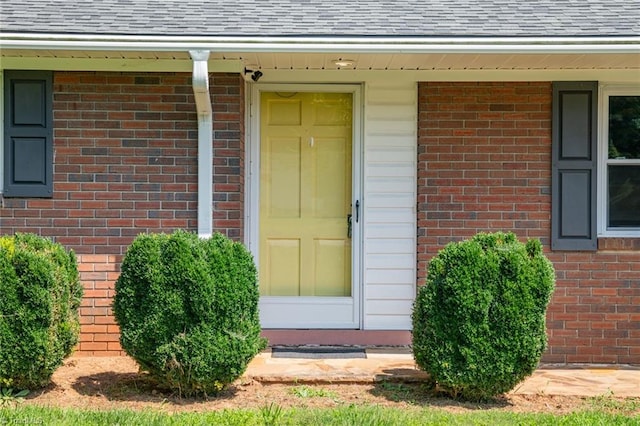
[
  {"x": 332, "y": 187},
  {"x": 282, "y": 163},
  {"x": 305, "y": 187},
  {"x": 282, "y": 268},
  {"x": 332, "y": 268},
  {"x": 283, "y": 112}
]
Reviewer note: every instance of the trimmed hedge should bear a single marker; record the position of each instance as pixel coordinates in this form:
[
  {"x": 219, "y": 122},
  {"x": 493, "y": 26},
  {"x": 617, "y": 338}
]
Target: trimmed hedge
[
  {"x": 188, "y": 310},
  {"x": 479, "y": 322},
  {"x": 40, "y": 294}
]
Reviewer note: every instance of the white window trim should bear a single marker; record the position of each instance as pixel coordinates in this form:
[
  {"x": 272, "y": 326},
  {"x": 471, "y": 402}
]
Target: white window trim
[{"x": 607, "y": 90}]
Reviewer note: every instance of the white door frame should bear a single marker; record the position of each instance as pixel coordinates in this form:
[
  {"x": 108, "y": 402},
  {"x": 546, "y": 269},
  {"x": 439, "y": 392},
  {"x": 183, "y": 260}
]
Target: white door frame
[{"x": 344, "y": 314}]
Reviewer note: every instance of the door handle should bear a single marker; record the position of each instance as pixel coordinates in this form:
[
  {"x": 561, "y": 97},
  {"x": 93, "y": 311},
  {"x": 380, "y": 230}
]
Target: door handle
[
  {"x": 357, "y": 211},
  {"x": 349, "y": 225}
]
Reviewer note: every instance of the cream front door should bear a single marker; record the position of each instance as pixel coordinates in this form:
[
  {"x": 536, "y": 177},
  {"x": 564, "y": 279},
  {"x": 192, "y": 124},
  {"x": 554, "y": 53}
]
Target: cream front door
[{"x": 306, "y": 210}]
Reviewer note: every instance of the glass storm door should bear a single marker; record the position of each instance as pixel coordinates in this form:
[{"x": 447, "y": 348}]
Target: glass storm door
[{"x": 305, "y": 224}]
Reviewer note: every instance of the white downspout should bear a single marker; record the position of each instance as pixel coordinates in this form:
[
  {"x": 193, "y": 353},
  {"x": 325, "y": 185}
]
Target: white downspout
[{"x": 205, "y": 141}]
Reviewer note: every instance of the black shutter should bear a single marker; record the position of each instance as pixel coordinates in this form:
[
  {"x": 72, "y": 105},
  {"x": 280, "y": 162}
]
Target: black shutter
[
  {"x": 574, "y": 162},
  {"x": 28, "y": 134}
]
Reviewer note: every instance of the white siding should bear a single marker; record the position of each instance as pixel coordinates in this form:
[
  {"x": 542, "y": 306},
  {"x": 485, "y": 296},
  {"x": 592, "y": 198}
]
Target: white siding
[{"x": 389, "y": 202}]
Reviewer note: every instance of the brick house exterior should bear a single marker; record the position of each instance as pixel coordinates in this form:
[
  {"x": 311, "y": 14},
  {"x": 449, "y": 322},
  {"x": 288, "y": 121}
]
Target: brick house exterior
[
  {"x": 454, "y": 135},
  {"x": 484, "y": 161},
  {"x": 126, "y": 164}
]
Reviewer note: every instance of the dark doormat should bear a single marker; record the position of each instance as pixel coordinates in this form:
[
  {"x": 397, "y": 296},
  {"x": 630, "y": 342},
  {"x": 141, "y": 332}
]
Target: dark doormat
[{"x": 317, "y": 352}]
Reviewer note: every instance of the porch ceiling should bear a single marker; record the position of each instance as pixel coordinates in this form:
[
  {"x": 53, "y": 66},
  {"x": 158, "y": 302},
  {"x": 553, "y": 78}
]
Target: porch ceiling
[{"x": 366, "y": 61}]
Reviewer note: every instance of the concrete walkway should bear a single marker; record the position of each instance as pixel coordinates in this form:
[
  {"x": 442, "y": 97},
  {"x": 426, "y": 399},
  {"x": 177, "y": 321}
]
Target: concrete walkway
[{"x": 398, "y": 365}]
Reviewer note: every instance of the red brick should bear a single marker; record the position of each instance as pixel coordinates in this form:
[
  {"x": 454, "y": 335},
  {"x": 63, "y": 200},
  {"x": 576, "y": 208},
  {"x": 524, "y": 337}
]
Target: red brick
[
  {"x": 114, "y": 346},
  {"x": 96, "y": 312},
  {"x": 86, "y": 337},
  {"x": 90, "y": 329},
  {"x": 107, "y": 353},
  {"x": 109, "y": 320},
  {"x": 104, "y": 337},
  {"x": 93, "y": 346},
  {"x": 95, "y": 293},
  {"x": 87, "y": 319},
  {"x": 107, "y": 301}
]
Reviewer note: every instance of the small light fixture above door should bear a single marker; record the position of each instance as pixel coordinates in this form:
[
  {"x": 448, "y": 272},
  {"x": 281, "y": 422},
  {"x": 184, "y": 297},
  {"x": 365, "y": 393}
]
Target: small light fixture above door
[{"x": 342, "y": 63}]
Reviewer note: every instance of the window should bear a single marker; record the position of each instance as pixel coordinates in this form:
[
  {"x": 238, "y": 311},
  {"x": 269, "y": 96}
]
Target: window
[
  {"x": 28, "y": 137},
  {"x": 619, "y": 161}
]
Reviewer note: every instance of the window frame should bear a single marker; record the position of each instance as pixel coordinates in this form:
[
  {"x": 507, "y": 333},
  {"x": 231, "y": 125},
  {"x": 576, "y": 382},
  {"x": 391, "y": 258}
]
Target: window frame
[{"x": 606, "y": 91}]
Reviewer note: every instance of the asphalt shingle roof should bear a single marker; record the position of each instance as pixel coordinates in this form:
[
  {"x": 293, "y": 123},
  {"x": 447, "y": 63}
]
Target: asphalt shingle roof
[{"x": 431, "y": 18}]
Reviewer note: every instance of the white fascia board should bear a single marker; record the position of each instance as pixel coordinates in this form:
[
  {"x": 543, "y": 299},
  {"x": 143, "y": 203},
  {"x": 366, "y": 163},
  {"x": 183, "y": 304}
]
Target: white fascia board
[{"x": 325, "y": 44}]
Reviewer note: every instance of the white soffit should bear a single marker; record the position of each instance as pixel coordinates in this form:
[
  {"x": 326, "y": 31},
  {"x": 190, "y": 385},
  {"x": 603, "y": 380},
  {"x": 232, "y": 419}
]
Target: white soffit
[{"x": 361, "y": 61}]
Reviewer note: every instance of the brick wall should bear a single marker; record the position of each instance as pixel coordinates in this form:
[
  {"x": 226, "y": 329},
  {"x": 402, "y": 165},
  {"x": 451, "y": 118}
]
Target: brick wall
[
  {"x": 485, "y": 165},
  {"x": 125, "y": 162},
  {"x": 227, "y": 91},
  {"x": 99, "y": 333}
]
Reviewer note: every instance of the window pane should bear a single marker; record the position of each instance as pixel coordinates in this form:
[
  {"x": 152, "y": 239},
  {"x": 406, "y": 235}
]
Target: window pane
[
  {"x": 624, "y": 196},
  {"x": 624, "y": 127}
]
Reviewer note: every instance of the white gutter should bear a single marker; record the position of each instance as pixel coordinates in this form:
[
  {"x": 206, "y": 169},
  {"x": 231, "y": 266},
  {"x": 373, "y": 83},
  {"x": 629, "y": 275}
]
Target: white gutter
[
  {"x": 205, "y": 142},
  {"x": 630, "y": 44}
]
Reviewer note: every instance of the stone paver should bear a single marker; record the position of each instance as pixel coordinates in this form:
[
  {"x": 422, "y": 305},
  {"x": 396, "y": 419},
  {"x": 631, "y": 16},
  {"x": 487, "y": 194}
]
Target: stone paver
[
  {"x": 375, "y": 367},
  {"x": 622, "y": 382}
]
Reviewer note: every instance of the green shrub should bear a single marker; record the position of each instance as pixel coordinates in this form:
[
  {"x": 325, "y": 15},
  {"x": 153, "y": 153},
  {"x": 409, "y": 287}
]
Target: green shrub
[
  {"x": 188, "y": 310},
  {"x": 479, "y": 322},
  {"x": 40, "y": 294}
]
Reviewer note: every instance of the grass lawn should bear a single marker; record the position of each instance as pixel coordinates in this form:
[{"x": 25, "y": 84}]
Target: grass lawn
[{"x": 275, "y": 415}]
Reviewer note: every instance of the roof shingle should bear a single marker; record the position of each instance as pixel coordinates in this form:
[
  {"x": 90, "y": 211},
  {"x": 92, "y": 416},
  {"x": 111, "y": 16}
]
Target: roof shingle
[{"x": 418, "y": 18}]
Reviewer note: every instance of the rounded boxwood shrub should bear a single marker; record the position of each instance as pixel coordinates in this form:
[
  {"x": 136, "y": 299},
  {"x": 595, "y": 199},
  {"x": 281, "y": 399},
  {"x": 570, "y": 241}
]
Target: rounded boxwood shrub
[
  {"x": 40, "y": 293},
  {"x": 188, "y": 310},
  {"x": 479, "y": 321}
]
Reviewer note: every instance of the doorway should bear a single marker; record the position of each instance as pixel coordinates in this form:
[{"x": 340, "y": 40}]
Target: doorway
[{"x": 307, "y": 232}]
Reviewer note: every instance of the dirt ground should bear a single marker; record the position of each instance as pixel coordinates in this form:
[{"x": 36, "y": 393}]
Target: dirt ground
[{"x": 116, "y": 383}]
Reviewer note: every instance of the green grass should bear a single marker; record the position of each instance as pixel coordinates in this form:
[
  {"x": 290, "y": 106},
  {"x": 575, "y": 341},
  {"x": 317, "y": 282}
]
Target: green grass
[
  {"x": 607, "y": 402},
  {"x": 313, "y": 392},
  {"x": 396, "y": 391},
  {"x": 275, "y": 415}
]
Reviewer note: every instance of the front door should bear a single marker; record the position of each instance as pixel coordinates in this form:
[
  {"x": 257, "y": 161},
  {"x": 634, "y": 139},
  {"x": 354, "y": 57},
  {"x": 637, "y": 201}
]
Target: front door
[{"x": 306, "y": 210}]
